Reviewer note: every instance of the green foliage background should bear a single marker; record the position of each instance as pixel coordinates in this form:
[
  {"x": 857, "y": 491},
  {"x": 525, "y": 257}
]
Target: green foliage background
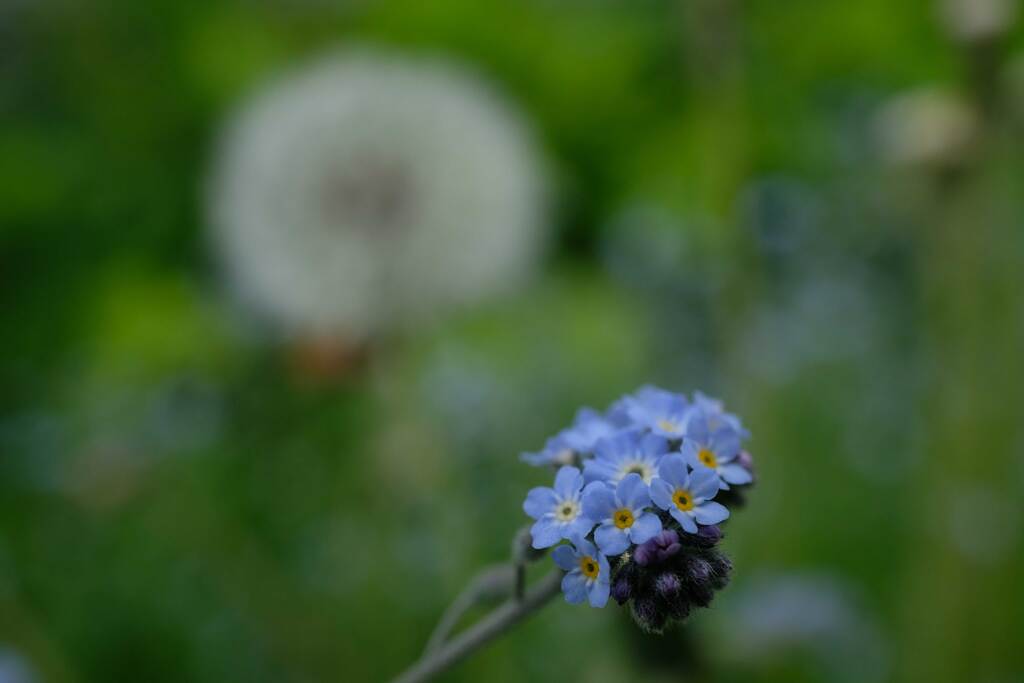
[{"x": 175, "y": 504}]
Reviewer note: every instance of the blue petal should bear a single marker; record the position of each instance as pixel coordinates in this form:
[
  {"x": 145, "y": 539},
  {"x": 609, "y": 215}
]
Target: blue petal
[
  {"x": 704, "y": 483},
  {"x": 585, "y": 547},
  {"x": 735, "y": 474},
  {"x": 711, "y": 513},
  {"x": 632, "y": 492},
  {"x": 661, "y": 493},
  {"x": 579, "y": 527},
  {"x": 685, "y": 520},
  {"x": 697, "y": 428},
  {"x": 568, "y": 482},
  {"x": 588, "y": 428},
  {"x": 598, "y": 593},
  {"x": 645, "y": 527},
  {"x": 535, "y": 459},
  {"x": 598, "y": 470},
  {"x": 605, "y": 573},
  {"x": 673, "y": 470},
  {"x": 585, "y": 415},
  {"x": 611, "y": 540},
  {"x": 539, "y": 501},
  {"x": 553, "y": 449},
  {"x": 689, "y": 454},
  {"x": 574, "y": 585},
  {"x": 598, "y": 501},
  {"x": 614, "y": 448},
  {"x": 653, "y": 445},
  {"x": 546, "y": 533},
  {"x": 726, "y": 444},
  {"x": 565, "y": 557}
]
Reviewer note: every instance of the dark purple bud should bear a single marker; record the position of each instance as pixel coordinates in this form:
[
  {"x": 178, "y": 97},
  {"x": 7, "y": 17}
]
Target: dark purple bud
[
  {"x": 721, "y": 568},
  {"x": 679, "y": 608},
  {"x": 644, "y": 554},
  {"x": 668, "y": 585},
  {"x": 622, "y": 590},
  {"x": 648, "y": 616},
  {"x": 698, "y": 571},
  {"x": 746, "y": 461},
  {"x": 658, "y": 549},
  {"x": 706, "y": 536},
  {"x": 668, "y": 551},
  {"x": 700, "y": 594},
  {"x": 710, "y": 535}
]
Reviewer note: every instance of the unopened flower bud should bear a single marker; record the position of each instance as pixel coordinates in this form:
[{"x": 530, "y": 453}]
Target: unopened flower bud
[
  {"x": 658, "y": 549},
  {"x": 706, "y": 536},
  {"x": 622, "y": 590},
  {"x": 668, "y": 585},
  {"x": 698, "y": 570},
  {"x": 648, "y": 615},
  {"x": 746, "y": 461}
]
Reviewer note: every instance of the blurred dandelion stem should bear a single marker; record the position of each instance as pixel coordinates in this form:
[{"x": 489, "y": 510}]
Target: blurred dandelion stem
[{"x": 495, "y": 624}]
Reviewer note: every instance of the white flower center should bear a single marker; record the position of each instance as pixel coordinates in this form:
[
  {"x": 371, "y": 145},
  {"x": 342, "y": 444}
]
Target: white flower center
[
  {"x": 567, "y": 510},
  {"x": 670, "y": 426},
  {"x": 563, "y": 457},
  {"x": 644, "y": 469}
]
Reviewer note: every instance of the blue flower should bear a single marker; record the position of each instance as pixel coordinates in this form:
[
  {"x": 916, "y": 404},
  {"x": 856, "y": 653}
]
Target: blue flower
[
  {"x": 588, "y": 574},
  {"x": 588, "y": 427},
  {"x": 687, "y": 496},
  {"x": 625, "y": 453},
  {"x": 714, "y": 410},
  {"x": 714, "y": 450},
  {"x": 621, "y": 512},
  {"x": 663, "y": 412},
  {"x": 558, "y": 510}
]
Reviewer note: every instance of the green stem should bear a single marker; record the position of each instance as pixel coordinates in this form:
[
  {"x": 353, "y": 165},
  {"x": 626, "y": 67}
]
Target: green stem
[{"x": 484, "y": 631}]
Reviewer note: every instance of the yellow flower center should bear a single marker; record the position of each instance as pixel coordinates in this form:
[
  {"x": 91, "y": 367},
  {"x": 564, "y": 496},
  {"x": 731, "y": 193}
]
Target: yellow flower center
[
  {"x": 623, "y": 518},
  {"x": 683, "y": 500},
  {"x": 669, "y": 426},
  {"x": 589, "y": 567},
  {"x": 567, "y": 511},
  {"x": 708, "y": 458}
]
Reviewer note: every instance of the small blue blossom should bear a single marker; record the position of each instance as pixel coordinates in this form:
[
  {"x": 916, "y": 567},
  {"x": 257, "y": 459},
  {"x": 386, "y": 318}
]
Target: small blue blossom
[
  {"x": 663, "y": 412},
  {"x": 625, "y": 453},
  {"x": 714, "y": 410},
  {"x": 715, "y": 450},
  {"x": 621, "y": 513},
  {"x": 558, "y": 510},
  {"x": 588, "y": 577},
  {"x": 687, "y": 496},
  {"x": 588, "y": 427}
]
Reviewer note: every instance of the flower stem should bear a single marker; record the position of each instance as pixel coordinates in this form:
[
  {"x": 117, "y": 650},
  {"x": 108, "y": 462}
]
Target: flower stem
[
  {"x": 484, "y": 631},
  {"x": 491, "y": 584}
]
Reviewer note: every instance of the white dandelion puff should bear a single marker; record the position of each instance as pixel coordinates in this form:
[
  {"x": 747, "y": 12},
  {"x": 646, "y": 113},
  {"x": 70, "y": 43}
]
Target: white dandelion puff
[
  {"x": 976, "y": 21},
  {"x": 370, "y": 191},
  {"x": 925, "y": 127}
]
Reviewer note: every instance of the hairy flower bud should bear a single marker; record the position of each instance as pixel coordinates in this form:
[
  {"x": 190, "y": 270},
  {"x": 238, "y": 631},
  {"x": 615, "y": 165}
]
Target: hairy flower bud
[
  {"x": 648, "y": 614},
  {"x": 698, "y": 570},
  {"x": 668, "y": 585},
  {"x": 622, "y": 590},
  {"x": 706, "y": 536}
]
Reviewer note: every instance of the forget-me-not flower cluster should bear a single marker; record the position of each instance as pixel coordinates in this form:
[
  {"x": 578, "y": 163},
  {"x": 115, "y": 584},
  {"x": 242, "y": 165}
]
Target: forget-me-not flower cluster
[{"x": 639, "y": 492}]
